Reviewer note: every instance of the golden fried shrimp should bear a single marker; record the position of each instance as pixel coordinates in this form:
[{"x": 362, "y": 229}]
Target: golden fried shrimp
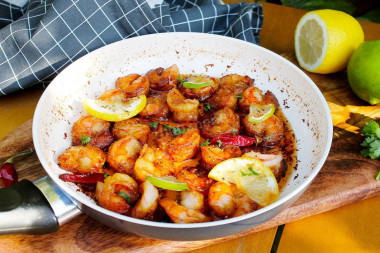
[
  {"x": 184, "y": 110},
  {"x": 196, "y": 179},
  {"x": 82, "y": 159},
  {"x": 163, "y": 80},
  {"x": 243, "y": 203},
  {"x": 270, "y": 130},
  {"x": 133, "y": 85},
  {"x": 202, "y": 93},
  {"x": 136, "y": 127},
  {"x": 235, "y": 83},
  {"x": 153, "y": 161},
  {"x": 275, "y": 161},
  {"x": 223, "y": 121},
  {"x": 96, "y": 129},
  {"x": 156, "y": 108},
  {"x": 181, "y": 147},
  {"x": 254, "y": 95},
  {"x": 222, "y": 98},
  {"x": 192, "y": 200},
  {"x": 118, "y": 193},
  {"x": 221, "y": 200},
  {"x": 181, "y": 214},
  {"x": 147, "y": 204},
  {"x": 123, "y": 153},
  {"x": 212, "y": 155},
  {"x": 113, "y": 95}
]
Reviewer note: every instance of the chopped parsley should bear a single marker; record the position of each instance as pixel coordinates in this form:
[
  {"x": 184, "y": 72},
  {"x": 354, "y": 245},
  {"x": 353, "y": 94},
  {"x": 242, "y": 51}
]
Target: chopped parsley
[
  {"x": 153, "y": 124},
  {"x": 239, "y": 96},
  {"x": 219, "y": 143},
  {"x": 85, "y": 140},
  {"x": 250, "y": 174},
  {"x": 178, "y": 131},
  {"x": 233, "y": 131},
  {"x": 181, "y": 80},
  {"x": 206, "y": 143},
  {"x": 207, "y": 107},
  {"x": 124, "y": 196},
  {"x": 167, "y": 127}
]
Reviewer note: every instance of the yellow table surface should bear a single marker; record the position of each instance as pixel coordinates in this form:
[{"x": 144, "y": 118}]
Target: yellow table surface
[{"x": 352, "y": 228}]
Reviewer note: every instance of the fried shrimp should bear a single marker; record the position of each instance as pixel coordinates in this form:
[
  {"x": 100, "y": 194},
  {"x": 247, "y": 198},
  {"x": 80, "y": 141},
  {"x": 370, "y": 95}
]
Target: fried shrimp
[
  {"x": 243, "y": 203},
  {"x": 136, "y": 127},
  {"x": 212, "y": 155},
  {"x": 163, "y": 79},
  {"x": 153, "y": 161},
  {"x": 222, "y": 98},
  {"x": 181, "y": 214},
  {"x": 270, "y": 130},
  {"x": 201, "y": 93},
  {"x": 253, "y": 96},
  {"x": 223, "y": 121},
  {"x": 156, "y": 108},
  {"x": 147, "y": 204},
  {"x": 184, "y": 110},
  {"x": 82, "y": 159},
  {"x": 235, "y": 83},
  {"x": 113, "y": 95},
  {"x": 182, "y": 146},
  {"x": 123, "y": 153},
  {"x": 221, "y": 200},
  {"x": 118, "y": 193},
  {"x": 97, "y": 130},
  {"x": 133, "y": 85},
  {"x": 196, "y": 179}
]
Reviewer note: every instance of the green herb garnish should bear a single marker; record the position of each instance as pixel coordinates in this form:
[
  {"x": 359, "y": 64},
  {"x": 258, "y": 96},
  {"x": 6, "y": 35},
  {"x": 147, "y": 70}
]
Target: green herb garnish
[
  {"x": 219, "y": 143},
  {"x": 233, "y": 131},
  {"x": 239, "y": 96},
  {"x": 206, "y": 143},
  {"x": 85, "y": 140},
  {"x": 207, "y": 107},
  {"x": 178, "y": 131},
  {"x": 371, "y": 143},
  {"x": 250, "y": 174},
  {"x": 153, "y": 124},
  {"x": 167, "y": 127},
  {"x": 124, "y": 196}
]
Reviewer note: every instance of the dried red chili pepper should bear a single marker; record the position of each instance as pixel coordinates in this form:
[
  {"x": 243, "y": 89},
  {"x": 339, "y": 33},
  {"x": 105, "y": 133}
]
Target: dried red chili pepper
[
  {"x": 239, "y": 140},
  {"x": 8, "y": 174},
  {"x": 82, "y": 178}
]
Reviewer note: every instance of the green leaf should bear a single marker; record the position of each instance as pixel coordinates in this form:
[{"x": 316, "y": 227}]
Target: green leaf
[
  {"x": 153, "y": 124},
  {"x": 207, "y": 107},
  {"x": 371, "y": 128},
  {"x": 178, "y": 131},
  {"x": 85, "y": 139},
  {"x": 206, "y": 143}
]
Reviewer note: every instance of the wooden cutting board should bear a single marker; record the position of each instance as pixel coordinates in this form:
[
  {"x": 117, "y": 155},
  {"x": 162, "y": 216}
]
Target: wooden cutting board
[{"x": 346, "y": 177}]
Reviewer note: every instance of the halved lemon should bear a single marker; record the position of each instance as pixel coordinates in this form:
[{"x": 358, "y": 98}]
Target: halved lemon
[
  {"x": 114, "y": 111},
  {"x": 250, "y": 176},
  {"x": 259, "y": 113},
  {"x": 325, "y": 40},
  {"x": 168, "y": 183}
]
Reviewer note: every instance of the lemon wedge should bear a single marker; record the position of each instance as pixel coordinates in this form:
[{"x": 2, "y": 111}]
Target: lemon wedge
[
  {"x": 168, "y": 183},
  {"x": 259, "y": 113},
  {"x": 250, "y": 176},
  {"x": 325, "y": 40},
  {"x": 114, "y": 111}
]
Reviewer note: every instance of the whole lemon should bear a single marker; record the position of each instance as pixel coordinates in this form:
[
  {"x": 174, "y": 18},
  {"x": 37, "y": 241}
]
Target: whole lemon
[
  {"x": 326, "y": 39},
  {"x": 363, "y": 71}
]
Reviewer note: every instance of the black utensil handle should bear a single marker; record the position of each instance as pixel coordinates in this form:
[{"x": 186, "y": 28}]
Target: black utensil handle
[{"x": 25, "y": 210}]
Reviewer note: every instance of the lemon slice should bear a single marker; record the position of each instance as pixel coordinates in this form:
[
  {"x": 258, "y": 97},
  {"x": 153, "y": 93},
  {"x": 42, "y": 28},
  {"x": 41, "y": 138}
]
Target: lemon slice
[
  {"x": 168, "y": 183},
  {"x": 259, "y": 113},
  {"x": 250, "y": 176},
  {"x": 115, "y": 111},
  {"x": 325, "y": 40}
]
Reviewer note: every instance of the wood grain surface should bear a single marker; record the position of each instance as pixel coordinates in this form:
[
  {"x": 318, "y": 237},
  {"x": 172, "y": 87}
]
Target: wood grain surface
[{"x": 346, "y": 177}]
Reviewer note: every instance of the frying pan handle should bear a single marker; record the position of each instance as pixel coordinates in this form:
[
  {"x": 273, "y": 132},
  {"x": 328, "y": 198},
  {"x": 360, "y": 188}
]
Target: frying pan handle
[{"x": 39, "y": 208}]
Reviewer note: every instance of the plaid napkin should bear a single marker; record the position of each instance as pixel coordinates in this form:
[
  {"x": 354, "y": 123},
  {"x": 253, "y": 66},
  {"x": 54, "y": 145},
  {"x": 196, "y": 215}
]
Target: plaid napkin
[{"x": 42, "y": 37}]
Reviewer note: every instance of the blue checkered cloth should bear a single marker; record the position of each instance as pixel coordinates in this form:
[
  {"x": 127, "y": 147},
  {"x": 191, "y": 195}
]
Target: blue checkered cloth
[{"x": 40, "y": 39}]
